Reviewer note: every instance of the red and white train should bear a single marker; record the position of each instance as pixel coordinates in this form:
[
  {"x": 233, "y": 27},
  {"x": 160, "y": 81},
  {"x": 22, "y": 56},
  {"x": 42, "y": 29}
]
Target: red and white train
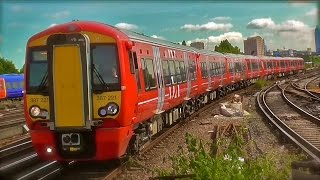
[{"x": 96, "y": 92}]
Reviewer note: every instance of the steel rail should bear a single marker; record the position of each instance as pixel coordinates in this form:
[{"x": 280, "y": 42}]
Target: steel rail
[
  {"x": 284, "y": 129},
  {"x": 306, "y": 89}
]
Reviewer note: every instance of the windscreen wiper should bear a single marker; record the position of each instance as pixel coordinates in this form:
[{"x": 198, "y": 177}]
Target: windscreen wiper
[
  {"x": 100, "y": 78},
  {"x": 42, "y": 86}
]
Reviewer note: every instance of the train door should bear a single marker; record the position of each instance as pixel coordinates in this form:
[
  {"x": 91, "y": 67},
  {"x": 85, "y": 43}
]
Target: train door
[
  {"x": 3, "y": 92},
  {"x": 208, "y": 72},
  {"x": 69, "y": 75},
  {"x": 187, "y": 66},
  {"x": 222, "y": 65},
  {"x": 160, "y": 79}
]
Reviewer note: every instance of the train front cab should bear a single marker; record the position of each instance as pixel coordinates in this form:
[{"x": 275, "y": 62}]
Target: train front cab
[
  {"x": 3, "y": 92},
  {"x": 73, "y": 95}
]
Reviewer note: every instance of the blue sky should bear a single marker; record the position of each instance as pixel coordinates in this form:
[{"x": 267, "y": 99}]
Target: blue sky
[{"x": 282, "y": 25}]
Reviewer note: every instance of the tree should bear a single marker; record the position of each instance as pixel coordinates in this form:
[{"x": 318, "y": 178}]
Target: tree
[
  {"x": 22, "y": 69},
  {"x": 184, "y": 43},
  {"x": 226, "y": 47},
  {"x": 7, "y": 66}
]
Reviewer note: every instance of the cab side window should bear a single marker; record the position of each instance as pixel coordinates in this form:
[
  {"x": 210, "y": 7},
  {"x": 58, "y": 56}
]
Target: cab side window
[{"x": 148, "y": 74}]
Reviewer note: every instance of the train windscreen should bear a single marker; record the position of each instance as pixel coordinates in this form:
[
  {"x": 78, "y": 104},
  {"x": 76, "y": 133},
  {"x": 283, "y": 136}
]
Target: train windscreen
[
  {"x": 105, "y": 67},
  {"x": 37, "y": 73}
]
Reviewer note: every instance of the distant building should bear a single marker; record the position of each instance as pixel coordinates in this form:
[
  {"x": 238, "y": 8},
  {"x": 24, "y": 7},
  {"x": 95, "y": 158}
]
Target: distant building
[
  {"x": 198, "y": 45},
  {"x": 265, "y": 50},
  {"x": 290, "y": 52},
  {"x": 254, "y": 46},
  {"x": 317, "y": 39},
  {"x": 309, "y": 51},
  {"x": 269, "y": 53}
]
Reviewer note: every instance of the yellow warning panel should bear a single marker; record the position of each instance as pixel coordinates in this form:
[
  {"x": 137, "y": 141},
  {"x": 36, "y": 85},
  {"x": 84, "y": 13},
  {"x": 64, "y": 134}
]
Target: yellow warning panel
[{"x": 68, "y": 86}]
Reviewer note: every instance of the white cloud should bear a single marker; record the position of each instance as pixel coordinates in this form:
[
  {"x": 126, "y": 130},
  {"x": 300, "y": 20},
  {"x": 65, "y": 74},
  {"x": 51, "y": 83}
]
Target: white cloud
[
  {"x": 126, "y": 26},
  {"x": 292, "y": 25},
  {"x": 255, "y": 34},
  {"x": 313, "y": 13},
  {"x": 221, "y": 19},
  {"x": 269, "y": 24},
  {"x": 18, "y": 9},
  {"x": 231, "y": 36},
  {"x": 298, "y": 3},
  {"x": 261, "y": 23},
  {"x": 210, "y": 26},
  {"x": 235, "y": 38},
  {"x": 58, "y": 15},
  {"x": 299, "y": 40},
  {"x": 53, "y": 24},
  {"x": 158, "y": 37}
]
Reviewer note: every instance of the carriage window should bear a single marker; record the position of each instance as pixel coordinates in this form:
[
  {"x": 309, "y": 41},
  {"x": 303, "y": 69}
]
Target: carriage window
[
  {"x": 166, "y": 72},
  {"x": 183, "y": 71},
  {"x": 238, "y": 67},
  {"x": 15, "y": 85},
  {"x": 231, "y": 67},
  {"x": 148, "y": 74},
  {"x": 8, "y": 85},
  {"x": 204, "y": 70},
  {"x": 178, "y": 73},
  {"x": 191, "y": 70},
  {"x": 22, "y": 84},
  {"x": 102, "y": 54},
  {"x": 172, "y": 72},
  {"x": 195, "y": 70}
]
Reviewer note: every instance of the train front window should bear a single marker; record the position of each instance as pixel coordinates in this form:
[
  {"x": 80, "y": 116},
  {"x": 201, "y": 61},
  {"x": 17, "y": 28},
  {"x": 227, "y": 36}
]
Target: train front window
[
  {"x": 38, "y": 67},
  {"x": 105, "y": 68}
]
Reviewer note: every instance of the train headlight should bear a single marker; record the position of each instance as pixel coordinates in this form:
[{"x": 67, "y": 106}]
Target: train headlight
[
  {"x": 35, "y": 111},
  {"x": 112, "y": 109},
  {"x": 102, "y": 112}
]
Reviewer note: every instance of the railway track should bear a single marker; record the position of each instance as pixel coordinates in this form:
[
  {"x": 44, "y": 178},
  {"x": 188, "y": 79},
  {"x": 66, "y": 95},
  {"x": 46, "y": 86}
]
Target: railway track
[
  {"x": 11, "y": 123},
  {"x": 296, "y": 125},
  {"x": 304, "y": 88}
]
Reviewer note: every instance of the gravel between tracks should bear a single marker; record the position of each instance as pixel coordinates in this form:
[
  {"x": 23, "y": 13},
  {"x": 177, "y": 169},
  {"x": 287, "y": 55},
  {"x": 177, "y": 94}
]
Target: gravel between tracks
[{"x": 260, "y": 132}]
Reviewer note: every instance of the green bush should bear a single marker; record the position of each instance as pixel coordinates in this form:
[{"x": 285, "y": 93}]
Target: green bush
[
  {"x": 227, "y": 164},
  {"x": 260, "y": 83}
]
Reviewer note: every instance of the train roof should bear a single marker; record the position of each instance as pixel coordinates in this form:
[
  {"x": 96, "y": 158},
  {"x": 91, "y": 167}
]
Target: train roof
[
  {"x": 210, "y": 52},
  {"x": 156, "y": 41},
  {"x": 76, "y": 26}
]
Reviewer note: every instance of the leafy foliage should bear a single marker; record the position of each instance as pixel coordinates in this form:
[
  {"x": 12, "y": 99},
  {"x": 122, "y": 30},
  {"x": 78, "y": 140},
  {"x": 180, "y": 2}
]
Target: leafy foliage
[
  {"x": 184, "y": 43},
  {"x": 22, "y": 69},
  {"x": 260, "y": 83},
  {"x": 228, "y": 164},
  {"x": 226, "y": 47},
  {"x": 7, "y": 66}
]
